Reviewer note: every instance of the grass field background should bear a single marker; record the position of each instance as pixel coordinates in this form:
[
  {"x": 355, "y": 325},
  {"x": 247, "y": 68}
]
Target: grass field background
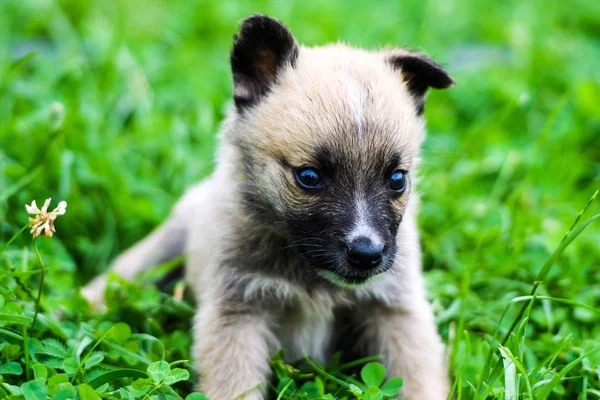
[{"x": 114, "y": 107}]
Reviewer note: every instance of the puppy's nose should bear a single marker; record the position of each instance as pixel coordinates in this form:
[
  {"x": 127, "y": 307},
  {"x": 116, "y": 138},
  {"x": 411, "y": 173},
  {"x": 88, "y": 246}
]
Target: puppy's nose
[{"x": 363, "y": 253}]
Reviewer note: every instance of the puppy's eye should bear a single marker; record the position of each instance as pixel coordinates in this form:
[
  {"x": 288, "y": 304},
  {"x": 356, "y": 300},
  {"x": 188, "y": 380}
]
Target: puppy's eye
[
  {"x": 309, "y": 178},
  {"x": 398, "y": 181}
]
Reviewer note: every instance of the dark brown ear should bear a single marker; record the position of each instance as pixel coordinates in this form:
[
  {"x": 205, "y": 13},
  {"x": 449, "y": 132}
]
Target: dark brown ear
[
  {"x": 420, "y": 73},
  {"x": 261, "y": 50}
]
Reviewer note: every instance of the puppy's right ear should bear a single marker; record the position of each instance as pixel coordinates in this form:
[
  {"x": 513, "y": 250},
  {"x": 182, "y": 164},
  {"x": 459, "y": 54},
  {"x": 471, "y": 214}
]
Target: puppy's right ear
[
  {"x": 419, "y": 72},
  {"x": 263, "y": 48}
]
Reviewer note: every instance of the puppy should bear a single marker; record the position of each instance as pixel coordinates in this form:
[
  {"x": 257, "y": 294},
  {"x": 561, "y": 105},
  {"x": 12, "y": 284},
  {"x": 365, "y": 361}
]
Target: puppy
[{"x": 305, "y": 235}]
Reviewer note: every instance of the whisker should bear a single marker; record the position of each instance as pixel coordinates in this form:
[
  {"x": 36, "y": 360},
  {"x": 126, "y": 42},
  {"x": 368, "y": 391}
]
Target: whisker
[{"x": 317, "y": 251}]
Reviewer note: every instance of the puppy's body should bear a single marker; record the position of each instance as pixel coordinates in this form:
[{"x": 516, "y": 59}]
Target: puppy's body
[{"x": 266, "y": 259}]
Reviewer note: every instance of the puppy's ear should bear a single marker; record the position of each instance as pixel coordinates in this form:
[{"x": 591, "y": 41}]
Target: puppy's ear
[
  {"x": 420, "y": 73},
  {"x": 262, "y": 49}
]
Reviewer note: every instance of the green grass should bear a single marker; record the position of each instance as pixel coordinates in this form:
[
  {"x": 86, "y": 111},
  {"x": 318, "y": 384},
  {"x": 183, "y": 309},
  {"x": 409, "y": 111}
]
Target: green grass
[{"x": 114, "y": 106}]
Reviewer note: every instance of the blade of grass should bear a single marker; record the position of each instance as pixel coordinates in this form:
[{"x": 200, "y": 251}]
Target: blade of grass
[
  {"x": 360, "y": 361},
  {"x": 545, "y": 392},
  {"x": 5, "y": 290},
  {"x": 15, "y": 236},
  {"x": 325, "y": 374},
  {"x": 42, "y": 276},
  {"x": 548, "y": 360},
  {"x": 82, "y": 363},
  {"x": 126, "y": 352},
  {"x": 510, "y": 375},
  {"x": 110, "y": 376},
  {"x": 26, "y": 353},
  {"x": 17, "y": 319},
  {"x": 10, "y": 334},
  {"x": 150, "y": 338},
  {"x": 557, "y": 300},
  {"x": 15, "y": 66},
  {"x": 505, "y": 351},
  {"x": 594, "y": 392},
  {"x": 20, "y": 184},
  {"x": 457, "y": 385},
  {"x": 280, "y": 396},
  {"x": 155, "y": 274},
  {"x": 571, "y": 234}
]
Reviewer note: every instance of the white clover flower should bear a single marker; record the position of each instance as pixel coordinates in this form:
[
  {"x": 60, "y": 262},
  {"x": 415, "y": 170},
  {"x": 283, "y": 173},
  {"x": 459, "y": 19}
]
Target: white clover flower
[{"x": 43, "y": 221}]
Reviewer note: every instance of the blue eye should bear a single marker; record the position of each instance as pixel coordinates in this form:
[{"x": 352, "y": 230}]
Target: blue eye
[
  {"x": 309, "y": 178},
  {"x": 398, "y": 181}
]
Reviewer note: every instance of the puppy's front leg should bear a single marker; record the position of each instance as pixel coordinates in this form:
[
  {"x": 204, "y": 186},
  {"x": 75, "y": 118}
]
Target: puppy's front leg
[
  {"x": 411, "y": 347},
  {"x": 232, "y": 352}
]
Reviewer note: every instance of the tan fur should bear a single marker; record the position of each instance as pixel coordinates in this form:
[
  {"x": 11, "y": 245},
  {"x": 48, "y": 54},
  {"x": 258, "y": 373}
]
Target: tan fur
[{"x": 319, "y": 99}]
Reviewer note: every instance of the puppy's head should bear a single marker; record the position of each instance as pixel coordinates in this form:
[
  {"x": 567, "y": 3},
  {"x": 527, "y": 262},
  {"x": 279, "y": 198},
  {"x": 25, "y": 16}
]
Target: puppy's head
[{"x": 329, "y": 138}]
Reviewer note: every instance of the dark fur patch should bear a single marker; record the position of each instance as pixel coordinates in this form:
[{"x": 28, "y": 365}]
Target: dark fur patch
[
  {"x": 420, "y": 73},
  {"x": 261, "y": 49},
  {"x": 319, "y": 228},
  {"x": 314, "y": 230},
  {"x": 345, "y": 337},
  {"x": 258, "y": 249}
]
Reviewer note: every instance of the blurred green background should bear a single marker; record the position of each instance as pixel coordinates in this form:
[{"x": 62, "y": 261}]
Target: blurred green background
[{"x": 114, "y": 106}]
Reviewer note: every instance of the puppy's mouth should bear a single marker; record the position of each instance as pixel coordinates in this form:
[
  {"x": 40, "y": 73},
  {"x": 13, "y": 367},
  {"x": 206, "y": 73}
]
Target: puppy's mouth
[
  {"x": 351, "y": 279},
  {"x": 344, "y": 275},
  {"x": 345, "y": 280},
  {"x": 346, "y": 265}
]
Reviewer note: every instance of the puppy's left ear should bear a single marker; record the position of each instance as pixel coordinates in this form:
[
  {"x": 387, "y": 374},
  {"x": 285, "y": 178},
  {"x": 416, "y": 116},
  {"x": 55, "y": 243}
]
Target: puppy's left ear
[{"x": 420, "y": 73}]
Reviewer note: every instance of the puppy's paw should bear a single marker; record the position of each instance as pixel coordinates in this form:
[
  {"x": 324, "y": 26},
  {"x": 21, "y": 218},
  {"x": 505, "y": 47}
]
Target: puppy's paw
[{"x": 93, "y": 292}]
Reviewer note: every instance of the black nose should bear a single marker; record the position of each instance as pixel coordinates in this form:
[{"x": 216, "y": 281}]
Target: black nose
[{"x": 363, "y": 253}]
